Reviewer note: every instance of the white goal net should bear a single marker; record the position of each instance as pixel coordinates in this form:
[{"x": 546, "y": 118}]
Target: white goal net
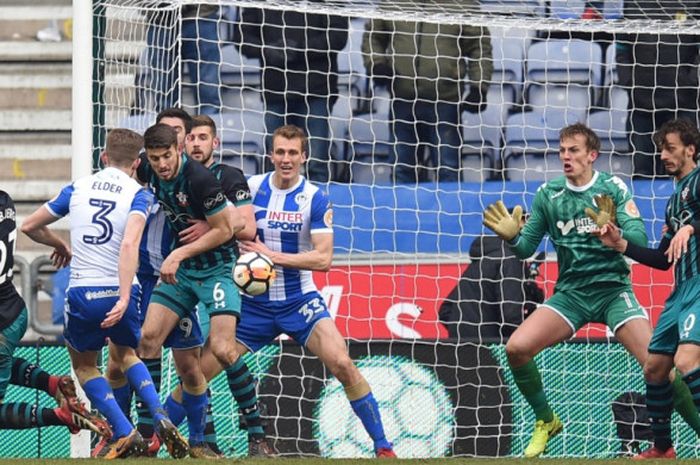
[{"x": 420, "y": 113}]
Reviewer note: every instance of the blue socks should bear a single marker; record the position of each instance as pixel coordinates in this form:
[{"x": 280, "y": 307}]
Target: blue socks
[
  {"x": 196, "y": 407},
  {"x": 367, "y": 409},
  {"x": 122, "y": 395},
  {"x": 175, "y": 410},
  {"x": 141, "y": 381},
  {"x": 102, "y": 397}
]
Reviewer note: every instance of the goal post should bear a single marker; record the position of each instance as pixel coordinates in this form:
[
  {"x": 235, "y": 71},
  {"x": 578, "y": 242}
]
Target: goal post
[{"x": 400, "y": 249}]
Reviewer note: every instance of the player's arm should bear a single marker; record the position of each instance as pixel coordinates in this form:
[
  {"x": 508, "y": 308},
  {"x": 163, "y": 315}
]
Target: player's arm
[
  {"x": 319, "y": 258},
  {"x": 129, "y": 255},
  {"x": 526, "y": 239},
  {"x": 630, "y": 220},
  {"x": 236, "y": 188},
  {"x": 36, "y": 226},
  {"x": 221, "y": 230},
  {"x": 612, "y": 236}
]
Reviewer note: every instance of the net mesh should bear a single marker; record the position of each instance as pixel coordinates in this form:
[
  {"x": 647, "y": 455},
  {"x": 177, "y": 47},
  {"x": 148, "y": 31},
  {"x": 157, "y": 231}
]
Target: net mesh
[{"x": 402, "y": 248}]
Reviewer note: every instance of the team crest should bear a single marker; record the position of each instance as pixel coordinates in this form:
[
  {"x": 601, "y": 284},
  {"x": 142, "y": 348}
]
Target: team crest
[
  {"x": 631, "y": 209},
  {"x": 684, "y": 193},
  {"x": 328, "y": 218},
  {"x": 182, "y": 199},
  {"x": 301, "y": 198}
]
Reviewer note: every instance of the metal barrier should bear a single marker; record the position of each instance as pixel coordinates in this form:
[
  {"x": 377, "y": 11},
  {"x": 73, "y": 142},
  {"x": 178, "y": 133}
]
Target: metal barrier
[{"x": 35, "y": 283}]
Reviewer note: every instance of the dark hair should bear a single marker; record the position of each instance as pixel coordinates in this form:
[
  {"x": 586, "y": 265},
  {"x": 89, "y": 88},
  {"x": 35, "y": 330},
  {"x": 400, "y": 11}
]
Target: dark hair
[
  {"x": 203, "y": 120},
  {"x": 687, "y": 132},
  {"x": 176, "y": 112},
  {"x": 290, "y": 131},
  {"x": 123, "y": 146},
  {"x": 160, "y": 136},
  {"x": 592, "y": 139}
]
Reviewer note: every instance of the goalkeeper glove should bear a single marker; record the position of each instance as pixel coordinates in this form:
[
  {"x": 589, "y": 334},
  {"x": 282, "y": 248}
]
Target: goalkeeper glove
[
  {"x": 606, "y": 210},
  {"x": 505, "y": 225}
]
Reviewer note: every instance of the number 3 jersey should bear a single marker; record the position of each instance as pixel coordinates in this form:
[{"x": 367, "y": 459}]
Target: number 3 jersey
[
  {"x": 286, "y": 220},
  {"x": 11, "y": 304},
  {"x": 99, "y": 206}
]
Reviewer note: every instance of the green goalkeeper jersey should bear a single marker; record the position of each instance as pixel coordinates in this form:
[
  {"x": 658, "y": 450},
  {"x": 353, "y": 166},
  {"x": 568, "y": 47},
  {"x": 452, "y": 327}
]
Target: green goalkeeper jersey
[{"x": 559, "y": 211}]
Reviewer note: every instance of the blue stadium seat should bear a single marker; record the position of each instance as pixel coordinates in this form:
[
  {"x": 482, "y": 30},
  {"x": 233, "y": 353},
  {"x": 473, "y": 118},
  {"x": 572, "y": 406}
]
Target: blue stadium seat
[
  {"x": 610, "y": 75},
  {"x": 243, "y": 139},
  {"x": 237, "y": 70},
  {"x": 611, "y": 124},
  {"x": 571, "y": 98},
  {"x": 532, "y": 143},
  {"x": 482, "y": 134},
  {"x": 508, "y": 48},
  {"x": 369, "y": 148},
  {"x": 564, "y": 61}
]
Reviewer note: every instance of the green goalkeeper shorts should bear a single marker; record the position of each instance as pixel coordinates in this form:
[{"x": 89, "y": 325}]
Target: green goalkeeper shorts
[
  {"x": 613, "y": 304},
  {"x": 678, "y": 321}
]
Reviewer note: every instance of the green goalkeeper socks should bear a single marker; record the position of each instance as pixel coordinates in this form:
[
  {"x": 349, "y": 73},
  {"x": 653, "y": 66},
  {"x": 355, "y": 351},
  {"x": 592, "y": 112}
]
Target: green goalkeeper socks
[
  {"x": 529, "y": 382},
  {"x": 683, "y": 402}
]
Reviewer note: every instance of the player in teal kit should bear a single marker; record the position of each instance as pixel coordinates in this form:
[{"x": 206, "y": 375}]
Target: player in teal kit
[
  {"x": 199, "y": 271},
  {"x": 593, "y": 283},
  {"x": 676, "y": 337}
]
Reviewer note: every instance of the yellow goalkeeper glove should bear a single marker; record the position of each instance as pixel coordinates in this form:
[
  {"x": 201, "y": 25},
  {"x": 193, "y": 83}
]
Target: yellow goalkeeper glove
[
  {"x": 606, "y": 210},
  {"x": 505, "y": 225}
]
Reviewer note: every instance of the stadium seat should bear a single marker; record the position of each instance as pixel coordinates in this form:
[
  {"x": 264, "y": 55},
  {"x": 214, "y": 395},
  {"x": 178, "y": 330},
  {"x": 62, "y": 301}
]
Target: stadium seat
[
  {"x": 369, "y": 148},
  {"x": 482, "y": 133},
  {"x": 570, "y": 98},
  {"x": 237, "y": 70},
  {"x": 611, "y": 124},
  {"x": 564, "y": 61},
  {"x": 508, "y": 48},
  {"x": 243, "y": 139},
  {"x": 531, "y": 140}
]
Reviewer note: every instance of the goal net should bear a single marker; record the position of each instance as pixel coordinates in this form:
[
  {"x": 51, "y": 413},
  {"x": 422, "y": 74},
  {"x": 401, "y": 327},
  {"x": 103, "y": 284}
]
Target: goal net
[{"x": 408, "y": 193}]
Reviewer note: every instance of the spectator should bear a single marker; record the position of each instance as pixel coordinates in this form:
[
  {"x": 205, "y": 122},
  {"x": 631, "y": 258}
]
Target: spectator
[
  {"x": 661, "y": 73},
  {"x": 422, "y": 66},
  {"x": 199, "y": 49},
  {"x": 298, "y": 53},
  {"x": 494, "y": 295}
]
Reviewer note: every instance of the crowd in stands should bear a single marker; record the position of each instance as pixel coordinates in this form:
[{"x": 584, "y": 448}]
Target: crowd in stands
[{"x": 450, "y": 93}]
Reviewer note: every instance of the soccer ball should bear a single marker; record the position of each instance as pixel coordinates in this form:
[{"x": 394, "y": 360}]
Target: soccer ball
[{"x": 254, "y": 273}]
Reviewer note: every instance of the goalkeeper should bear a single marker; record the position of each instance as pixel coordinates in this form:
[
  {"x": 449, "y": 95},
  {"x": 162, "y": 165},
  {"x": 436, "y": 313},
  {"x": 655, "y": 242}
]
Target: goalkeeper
[
  {"x": 676, "y": 336},
  {"x": 593, "y": 284}
]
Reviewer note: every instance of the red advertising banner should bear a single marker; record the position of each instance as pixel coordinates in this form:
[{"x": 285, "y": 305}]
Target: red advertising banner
[{"x": 403, "y": 300}]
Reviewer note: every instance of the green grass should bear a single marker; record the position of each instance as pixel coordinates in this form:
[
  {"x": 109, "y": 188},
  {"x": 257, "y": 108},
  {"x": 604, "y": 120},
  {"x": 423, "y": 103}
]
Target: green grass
[{"x": 320, "y": 461}]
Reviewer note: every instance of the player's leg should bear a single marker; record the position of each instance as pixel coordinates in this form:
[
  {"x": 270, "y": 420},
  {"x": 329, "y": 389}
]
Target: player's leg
[
  {"x": 658, "y": 365},
  {"x": 329, "y": 346},
  {"x": 545, "y": 327},
  {"x": 27, "y": 374},
  {"x": 635, "y": 334},
  {"x": 21, "y": 415},
  {"x": 144, "y": 422},
  {"x": 140, "y": 381},
  {"x": 194, "y": 395}
]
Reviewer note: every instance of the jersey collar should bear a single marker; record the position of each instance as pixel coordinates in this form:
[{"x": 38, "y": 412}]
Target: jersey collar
[{"x": 585, "y": 187}]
